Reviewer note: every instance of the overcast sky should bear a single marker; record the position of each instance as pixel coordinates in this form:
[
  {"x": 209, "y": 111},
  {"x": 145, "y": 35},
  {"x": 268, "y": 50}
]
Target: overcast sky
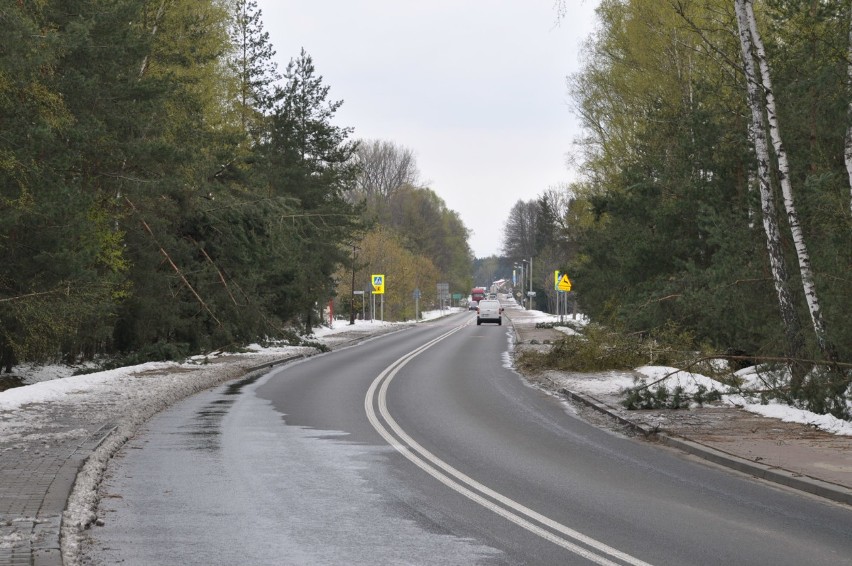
[{"x": 475, "y": 88}]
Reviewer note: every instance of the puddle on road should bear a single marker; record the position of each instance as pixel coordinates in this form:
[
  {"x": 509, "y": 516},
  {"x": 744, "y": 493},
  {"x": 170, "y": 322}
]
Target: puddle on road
[{"x": 207, "y": 423}]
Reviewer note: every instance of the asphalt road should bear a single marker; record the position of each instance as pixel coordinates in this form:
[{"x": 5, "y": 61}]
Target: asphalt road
[{"x": 424, "y": 447}]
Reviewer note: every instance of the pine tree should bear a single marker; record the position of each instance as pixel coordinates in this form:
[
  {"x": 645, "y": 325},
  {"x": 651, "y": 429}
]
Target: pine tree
[
  {"x": 62, "y": 262},
  {"x": 252, "y": 63},
  {"x": 309, "y": 159}
]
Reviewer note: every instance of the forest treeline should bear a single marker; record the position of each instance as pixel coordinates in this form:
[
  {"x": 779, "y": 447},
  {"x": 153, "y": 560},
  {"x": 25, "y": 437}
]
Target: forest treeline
[
  {"x": 413, "y": 239},
  {"x": 166, "y": 189},
  {"x": 716, "y": 160}
]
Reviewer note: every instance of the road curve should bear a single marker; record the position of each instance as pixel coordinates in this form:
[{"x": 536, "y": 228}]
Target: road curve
[{"x": 424, "y": 447}]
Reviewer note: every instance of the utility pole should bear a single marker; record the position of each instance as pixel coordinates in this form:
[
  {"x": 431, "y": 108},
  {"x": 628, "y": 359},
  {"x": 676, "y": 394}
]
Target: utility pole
[
  {"x": 531, "y": 278},
  {"x": 515, "y": 282},
  {"x": 352, "y": 294}
]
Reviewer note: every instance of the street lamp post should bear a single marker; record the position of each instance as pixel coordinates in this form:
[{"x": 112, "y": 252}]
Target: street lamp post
[
  {"x": 529, "y": 276},
  {"x": 352, "y": 289},
  {"x": 531, "y": 281},
  {"x": 521, "y": 267}
]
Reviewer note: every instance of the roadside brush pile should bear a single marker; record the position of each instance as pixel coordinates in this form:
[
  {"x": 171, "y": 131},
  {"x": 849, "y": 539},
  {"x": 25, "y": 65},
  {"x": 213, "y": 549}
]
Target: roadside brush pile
[{"x": 672, "y": 373}]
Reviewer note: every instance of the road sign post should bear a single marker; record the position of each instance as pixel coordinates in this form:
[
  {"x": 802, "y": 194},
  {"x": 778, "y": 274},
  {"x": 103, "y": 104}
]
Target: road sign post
[
  {"x": 378, "y": 281},
  {"x": 443, "y": 293},
  {"x": 416, "y": 296},
  {"x": 556, "y": 275}
]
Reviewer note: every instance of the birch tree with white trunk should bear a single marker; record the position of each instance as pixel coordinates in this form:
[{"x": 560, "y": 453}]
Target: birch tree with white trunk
[
  {"x": 802, "y": 254},
  {"x": 792, "y": 325}
]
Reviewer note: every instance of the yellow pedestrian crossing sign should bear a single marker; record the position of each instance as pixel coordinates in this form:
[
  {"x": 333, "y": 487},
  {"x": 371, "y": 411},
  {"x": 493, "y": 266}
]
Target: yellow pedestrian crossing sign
[
  {"x": 564, "y": 283},
  {"x": 378, "y": 284}
]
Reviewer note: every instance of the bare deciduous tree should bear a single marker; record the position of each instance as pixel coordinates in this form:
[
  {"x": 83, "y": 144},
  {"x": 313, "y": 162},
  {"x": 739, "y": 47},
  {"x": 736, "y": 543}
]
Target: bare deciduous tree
[
  {"x": 520, "y": 230},
  {"x": 385, "y": 167}
]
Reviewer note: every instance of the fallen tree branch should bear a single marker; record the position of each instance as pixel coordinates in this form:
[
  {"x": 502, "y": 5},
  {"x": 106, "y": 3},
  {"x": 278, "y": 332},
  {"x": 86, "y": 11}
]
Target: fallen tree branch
[
  {"x": 746, "y": 358},
  {"x": 219, "y": 271},
  {"x": 30, "y": 295},
  {"x": 172, "y": 263}
]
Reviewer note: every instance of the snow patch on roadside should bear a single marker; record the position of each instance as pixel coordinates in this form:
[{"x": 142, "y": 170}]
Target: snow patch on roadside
[
  {"x": 613, "y": 384},
  {"x": 785, "y": 413},
  {"x": 129, "y": 396}
]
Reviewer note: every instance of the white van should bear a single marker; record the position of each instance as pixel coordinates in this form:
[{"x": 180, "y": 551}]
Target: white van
[{"x": 489, "y": 311}]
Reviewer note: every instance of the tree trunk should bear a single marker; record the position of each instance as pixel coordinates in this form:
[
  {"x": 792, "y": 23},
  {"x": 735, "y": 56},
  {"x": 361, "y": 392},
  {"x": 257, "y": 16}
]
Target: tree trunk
[
  {"x": 787, "y": 190},
  {"x": 848, "y": 149},
  {"x": 309, "y": 325},
  {"x": 792, "y": 326}
]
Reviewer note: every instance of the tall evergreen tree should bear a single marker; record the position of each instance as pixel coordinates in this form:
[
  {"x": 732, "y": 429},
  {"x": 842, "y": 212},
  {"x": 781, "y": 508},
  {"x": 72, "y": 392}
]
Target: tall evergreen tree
[
  {"x": 309, "y": 160},
  {"x": 252, "y": 63},
  {"x": 63, "y": 257}
]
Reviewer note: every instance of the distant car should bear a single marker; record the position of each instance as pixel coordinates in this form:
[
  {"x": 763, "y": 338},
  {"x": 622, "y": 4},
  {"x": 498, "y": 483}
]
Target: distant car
[
  {"x": 489, "y": 310},
  {"x": 492, "y": 296},
  {"x": 472, "y": 306}
]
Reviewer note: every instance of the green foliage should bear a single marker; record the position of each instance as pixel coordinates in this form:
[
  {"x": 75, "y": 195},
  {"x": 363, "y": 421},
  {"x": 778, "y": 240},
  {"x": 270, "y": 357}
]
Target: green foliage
[
  {"x": 641, "y": 397},
  {"x": 825, "y": 388},
  {"x": 486, "y": 270},
  {"x": 161, "y": 192},
  {"x": 416, "y": 218},
  {"x": 670, "y": 229},
  {"x": 309, "y": 160},
  {"x": 597, "y": 349},
  {"x": 383, "y": 250},
  {"x": 430, "y": 229}
]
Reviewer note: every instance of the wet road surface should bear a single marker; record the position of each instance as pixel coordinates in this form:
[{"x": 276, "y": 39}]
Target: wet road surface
[{"x": 289, "y": 469}]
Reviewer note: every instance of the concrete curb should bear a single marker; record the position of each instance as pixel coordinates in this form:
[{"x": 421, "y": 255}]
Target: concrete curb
[{"x": 807, "y": 484}]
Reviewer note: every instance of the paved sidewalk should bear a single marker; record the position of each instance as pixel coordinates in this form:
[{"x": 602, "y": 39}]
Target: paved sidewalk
[
  {"x": 790, "y": 454},
  {"x": 36, "y": 478},
  {"x": 40, "y": 464}
]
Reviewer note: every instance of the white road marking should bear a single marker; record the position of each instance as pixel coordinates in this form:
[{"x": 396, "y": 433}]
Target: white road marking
[{"x": 501, "y": 505}]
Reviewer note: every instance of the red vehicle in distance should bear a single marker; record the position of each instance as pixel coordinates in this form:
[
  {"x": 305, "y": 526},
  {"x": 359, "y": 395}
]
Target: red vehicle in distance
[{"x": 476, "y": 295}]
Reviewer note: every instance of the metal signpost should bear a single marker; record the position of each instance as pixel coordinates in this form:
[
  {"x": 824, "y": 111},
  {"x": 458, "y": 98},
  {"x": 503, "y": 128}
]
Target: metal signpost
[
  {"x": 416, "y": 295},
  {"x": 378, "y": 281},
  {"x": 563, "y": 287},
  {"x": 443, "y": 293}
]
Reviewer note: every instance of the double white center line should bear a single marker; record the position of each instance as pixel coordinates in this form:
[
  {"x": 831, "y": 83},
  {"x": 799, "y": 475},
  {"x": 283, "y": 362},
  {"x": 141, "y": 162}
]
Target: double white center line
[{"x": 557, "y": 533}]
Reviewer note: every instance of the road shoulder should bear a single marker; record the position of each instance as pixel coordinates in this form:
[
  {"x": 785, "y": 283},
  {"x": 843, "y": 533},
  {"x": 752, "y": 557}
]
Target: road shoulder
[{"x": 791, "y": 454}]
